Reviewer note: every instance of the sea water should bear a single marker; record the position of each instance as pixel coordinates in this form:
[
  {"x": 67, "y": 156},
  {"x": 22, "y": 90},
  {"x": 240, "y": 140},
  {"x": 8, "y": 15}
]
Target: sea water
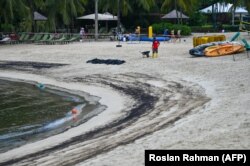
[{"x": 29, "y": 112}]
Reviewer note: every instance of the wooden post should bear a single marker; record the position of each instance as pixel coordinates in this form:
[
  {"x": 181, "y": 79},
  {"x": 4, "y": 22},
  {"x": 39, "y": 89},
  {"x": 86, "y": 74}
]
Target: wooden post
[{"x": 96, "y": 19}]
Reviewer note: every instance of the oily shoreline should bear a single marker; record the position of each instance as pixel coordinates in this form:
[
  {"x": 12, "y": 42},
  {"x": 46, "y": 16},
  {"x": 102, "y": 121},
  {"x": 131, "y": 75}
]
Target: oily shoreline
[
  {"x": 90, "y": 109},
  {"x": 146, "y": 97}
]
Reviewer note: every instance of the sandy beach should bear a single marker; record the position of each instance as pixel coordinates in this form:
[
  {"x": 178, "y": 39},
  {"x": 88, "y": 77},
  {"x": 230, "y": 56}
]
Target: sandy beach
[{"x": 174, "y": 101}]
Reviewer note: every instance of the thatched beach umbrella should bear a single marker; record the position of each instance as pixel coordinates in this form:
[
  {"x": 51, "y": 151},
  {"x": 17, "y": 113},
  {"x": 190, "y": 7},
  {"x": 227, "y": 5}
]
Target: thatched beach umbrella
[
  {"x": 38, "y": 17},
  {"x": 175, "y": 15}
]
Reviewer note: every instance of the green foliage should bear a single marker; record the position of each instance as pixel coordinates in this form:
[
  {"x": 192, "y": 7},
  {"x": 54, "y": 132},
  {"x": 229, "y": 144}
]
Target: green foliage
[
  {"x": 40, "y": 27},
  {"x": 197, "y": 19},
  {"x": 63, "y": 13},
  {"x": 185, "y": 30},
  {"x": 205, "y": 28},
  {"x": 127, "y": 6},
  {"x": 25, "y": 26},
  {"x": 210, "y": 28},
  {"x": 231, "y": 28},
  {"x": 6, "y": 27},
  {"x": 159, "y": 28}
]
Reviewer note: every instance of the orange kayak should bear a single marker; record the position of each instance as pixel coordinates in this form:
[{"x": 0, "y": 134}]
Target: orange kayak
[{"x": 224, "y": 49}]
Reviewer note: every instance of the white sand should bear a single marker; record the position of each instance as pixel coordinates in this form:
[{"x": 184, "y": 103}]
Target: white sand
[{"x": 222, "y": 123}]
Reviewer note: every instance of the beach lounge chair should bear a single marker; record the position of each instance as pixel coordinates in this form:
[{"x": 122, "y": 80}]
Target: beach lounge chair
[
  {"x": 49, "y": 40},
  {"x": 25, "y": 38},
  {"x": 22, "y": 36},
  {"x": 43, "y": 39},
  {"x": 35, "y": 38},
  {"x": 32, "y": 38},
  {"x": 74, "y": 38},
  {"x": 61, "y": 40}
]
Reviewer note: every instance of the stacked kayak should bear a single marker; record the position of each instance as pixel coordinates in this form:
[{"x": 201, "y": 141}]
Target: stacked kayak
[
  {"x": 223, "y": 49},
  {"x": 214, "y": 49},
  {"x": 198, "y": 51}
]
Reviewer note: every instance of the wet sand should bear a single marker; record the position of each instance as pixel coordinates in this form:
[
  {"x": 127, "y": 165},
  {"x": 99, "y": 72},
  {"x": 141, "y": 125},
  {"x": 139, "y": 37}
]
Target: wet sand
[{"x": 171, "y": 102}]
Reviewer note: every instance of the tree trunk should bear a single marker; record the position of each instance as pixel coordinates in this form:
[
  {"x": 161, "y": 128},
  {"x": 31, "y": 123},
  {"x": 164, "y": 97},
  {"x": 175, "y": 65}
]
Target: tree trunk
[
  {"x": 96, "y": 19},
  {"x": 118, "y": 18},
  {"x": 214, "y": 15},
  {"x": 181, "y": 17},
  {"x": 233, "y": 14},
  {"x": 32, "y": 10},
  {"x": 175, "y": 6}
]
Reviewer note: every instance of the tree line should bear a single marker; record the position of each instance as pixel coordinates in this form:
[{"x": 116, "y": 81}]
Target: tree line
[{"x": 18, "y": 14}]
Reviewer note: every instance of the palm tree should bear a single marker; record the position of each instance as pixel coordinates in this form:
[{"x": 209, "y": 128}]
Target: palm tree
[
  {"x": 213, "y": 3},
  {"x": 12, "y": 9},
  {"x": 247, "y": 4},
  {"x": 127, "y": 6},
  {"x": 235, "y": 3},
  {"x": 63, "y": 10},
  {"x": 33, "y": 5}
]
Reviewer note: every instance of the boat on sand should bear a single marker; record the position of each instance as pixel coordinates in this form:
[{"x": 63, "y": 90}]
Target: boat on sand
[{"x": 223, "y": 49}]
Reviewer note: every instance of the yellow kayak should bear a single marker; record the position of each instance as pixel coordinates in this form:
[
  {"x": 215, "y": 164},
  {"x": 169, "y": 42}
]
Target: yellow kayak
[{"x": 224, "y": 49}]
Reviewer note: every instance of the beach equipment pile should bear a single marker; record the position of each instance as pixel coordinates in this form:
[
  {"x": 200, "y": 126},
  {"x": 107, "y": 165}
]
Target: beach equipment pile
[
  {"x": 212, "y": 46},
  {"x": 217, "y": 49}
]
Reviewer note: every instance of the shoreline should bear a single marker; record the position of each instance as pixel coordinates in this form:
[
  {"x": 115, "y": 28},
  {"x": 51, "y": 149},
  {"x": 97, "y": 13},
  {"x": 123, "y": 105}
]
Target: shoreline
[
  {"x": 185, "y": 103},
  {"x": 48, "y": 142},
  {"x": 128, "y": 126},
  {"x": 89, "y": 104}
]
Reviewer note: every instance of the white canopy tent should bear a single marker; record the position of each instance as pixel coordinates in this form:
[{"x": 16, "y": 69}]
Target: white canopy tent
[
  {"x": 224, "y": 8},
  {"x": 101, "y": 17}
]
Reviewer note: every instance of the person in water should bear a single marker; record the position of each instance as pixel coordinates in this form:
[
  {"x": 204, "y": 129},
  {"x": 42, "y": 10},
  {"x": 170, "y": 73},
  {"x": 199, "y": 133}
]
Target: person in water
[{"x": 155, "y": 46}]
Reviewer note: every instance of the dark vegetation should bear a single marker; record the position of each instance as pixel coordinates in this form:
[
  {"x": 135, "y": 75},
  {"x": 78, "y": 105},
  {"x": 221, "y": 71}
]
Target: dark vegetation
[{"x": 17, "y": 15}]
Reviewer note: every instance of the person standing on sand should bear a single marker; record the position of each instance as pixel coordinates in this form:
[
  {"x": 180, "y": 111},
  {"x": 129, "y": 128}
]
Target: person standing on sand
[
  {"x": 82, "y": 33},
  {"x": 155, "y": 46}
]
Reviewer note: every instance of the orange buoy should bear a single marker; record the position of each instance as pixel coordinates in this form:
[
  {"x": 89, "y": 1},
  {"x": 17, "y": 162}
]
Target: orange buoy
[{"x": 74, "y": 111}]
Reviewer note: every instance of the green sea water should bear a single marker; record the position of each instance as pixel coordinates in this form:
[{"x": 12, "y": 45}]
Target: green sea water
[
  {"x": 27, "y": 110},
  {"x": 23, "y": 104}
]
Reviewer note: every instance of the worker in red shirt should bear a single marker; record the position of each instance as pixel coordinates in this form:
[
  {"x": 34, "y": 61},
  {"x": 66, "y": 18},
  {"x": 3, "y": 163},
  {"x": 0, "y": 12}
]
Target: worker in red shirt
[{"x": 155, "y": 46}]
